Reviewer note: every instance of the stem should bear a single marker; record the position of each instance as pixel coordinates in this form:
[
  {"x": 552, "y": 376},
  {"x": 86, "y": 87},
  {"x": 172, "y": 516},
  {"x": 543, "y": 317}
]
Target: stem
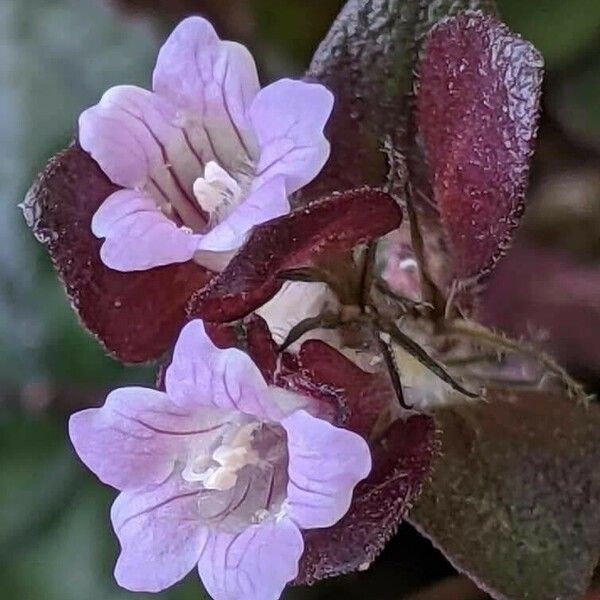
[
  {"x": 388, "y": 355},
  {"x": 366, "y": 281},
  {"x": 488, "y": 336},
  {"x": 327, "y": 320},
  {"x": 406, "y": 304},
  {"x": 417, "y": 352},
  {"x": 430, "y": 294}
]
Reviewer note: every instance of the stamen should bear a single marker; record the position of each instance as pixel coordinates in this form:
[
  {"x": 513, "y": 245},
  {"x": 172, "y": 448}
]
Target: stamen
[
  {"x": 230, "y": 457},
  {"x": 217, "y": 192}
]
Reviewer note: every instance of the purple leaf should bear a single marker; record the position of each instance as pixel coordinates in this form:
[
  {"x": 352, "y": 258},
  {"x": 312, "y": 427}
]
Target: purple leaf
[
  {"x": 478, "y": 107},
  {"x": 401, "y": 462},
  {"x": 322, "y": 371},
  {"x": 514, "y": 496},
  {"x": 368, "y": 60},
  {"x": 556, "y": 300},
  {"x": 332, "y": 224},
  {"x": 136, "y": 316}
]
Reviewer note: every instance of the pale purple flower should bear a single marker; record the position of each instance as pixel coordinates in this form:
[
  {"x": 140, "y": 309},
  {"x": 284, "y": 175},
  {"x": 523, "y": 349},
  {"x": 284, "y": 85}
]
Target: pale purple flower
[
  {"x": 205, "y": 156},
  {"x": 221, "y": 471}
]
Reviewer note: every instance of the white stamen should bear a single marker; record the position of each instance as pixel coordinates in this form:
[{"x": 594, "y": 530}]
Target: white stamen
[
  {"x": 231, "y": 457},
  {"x": 217, "y": 192},
  {"x": 220, "y": 479},
  {"x": 260, "y": 515}
]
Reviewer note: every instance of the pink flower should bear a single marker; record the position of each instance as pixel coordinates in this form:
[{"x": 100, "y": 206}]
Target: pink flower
[
  {"x": 221, "y": 471},
  {"x": 203, "y": 157}
]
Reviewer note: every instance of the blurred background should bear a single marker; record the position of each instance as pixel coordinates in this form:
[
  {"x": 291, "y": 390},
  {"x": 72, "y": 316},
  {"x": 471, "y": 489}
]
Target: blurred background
[{"x": 56, "y": 58}]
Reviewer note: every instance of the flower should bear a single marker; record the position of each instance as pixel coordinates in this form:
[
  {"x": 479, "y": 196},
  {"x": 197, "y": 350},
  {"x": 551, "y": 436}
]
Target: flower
[
  {"x": 203, "y": 157},
  {"x": 221, "y": 471}
]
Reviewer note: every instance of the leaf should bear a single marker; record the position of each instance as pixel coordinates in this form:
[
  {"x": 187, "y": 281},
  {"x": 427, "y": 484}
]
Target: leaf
[
  {"x": 477, "y": 111},
  {"x": 251, "y": 335},
  {"x": 557, "y": 301},
  {"x": 37, "y": 476},
  {"x": 514, "y": 498},
  {"x": 573, "y": 104},
  {"x": 117, "y": 308},
  {"x": 401, "y": 462},
  {"x": 322, "y": 372},
  {"x": 333, "y": 224},
  {"x": 368, "y": 60}
]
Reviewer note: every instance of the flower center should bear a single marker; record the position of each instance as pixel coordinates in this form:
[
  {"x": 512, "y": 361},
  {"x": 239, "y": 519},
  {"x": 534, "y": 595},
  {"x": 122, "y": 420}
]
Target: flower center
[
  {"x": 218, "y": 470},
  {"x": 240, "y": 473},
  {"x": 217, "y": 193}
]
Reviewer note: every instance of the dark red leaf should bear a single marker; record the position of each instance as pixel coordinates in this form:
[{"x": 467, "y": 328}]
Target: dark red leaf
[
  {"x": 328, "y": 402},
  {"x": 321, "y": 370},
  {"x": 478, "y": 106},
  {"x": 136, "y": 316},
  {"x": 251, "y": 335},
  {"x": 226, "y": 335},
  {"x": 401, "y": 462},
  {"x": 335, "y": 223},
  {"x": 261, "y": 346},
  {"x": 368, "y": 61}
]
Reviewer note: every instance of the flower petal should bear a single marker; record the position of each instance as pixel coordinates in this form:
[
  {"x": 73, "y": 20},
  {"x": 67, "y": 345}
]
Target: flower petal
[
  {"x": 139, "y": 142},
  {"x": 288, "y": 118},
  {"x": 263, "y": 204},
  {"x": 253, "y": 565},
  {"x": 117, "y": 141},
  {"x": 216, "y": 82},
  {"x": 402, "y": 460},
  {"x": 203, "y": 375},
  {"x": 160, "y": 534},
  {"x": 125, "y": 443},
  {"x": 325, "y": 463},
  {"x": 138, "y": 235}
]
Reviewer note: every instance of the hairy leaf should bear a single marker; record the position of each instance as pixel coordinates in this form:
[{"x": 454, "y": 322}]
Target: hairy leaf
[
  {"x": 319, "y": 370},
  {"x": 477, "y": 111},
  {"x": 368, "y": 61},
  {"x": 332, "y": 224},
  {"x": 514, "y": 498},
  {"x": 136, "y": 316},
  {"x": 251, "y": 335}
]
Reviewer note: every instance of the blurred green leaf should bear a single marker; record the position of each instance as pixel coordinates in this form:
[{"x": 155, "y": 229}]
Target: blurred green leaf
[
  {"x": 57, "y": 58},
  {"x": 56, "y": 541},
  {"x": 560, "y": 30},
  {"x": 37, "y": 474},
  {"x": 292, "y": 32},
  {"x": 575, "y": 102},
  {"x": 514, "y": 496}
]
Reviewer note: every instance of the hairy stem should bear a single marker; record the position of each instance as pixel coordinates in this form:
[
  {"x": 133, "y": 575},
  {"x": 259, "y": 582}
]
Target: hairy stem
[
  {"x": 417, "y": 352},
  {"x": 498, "y": 340}
]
